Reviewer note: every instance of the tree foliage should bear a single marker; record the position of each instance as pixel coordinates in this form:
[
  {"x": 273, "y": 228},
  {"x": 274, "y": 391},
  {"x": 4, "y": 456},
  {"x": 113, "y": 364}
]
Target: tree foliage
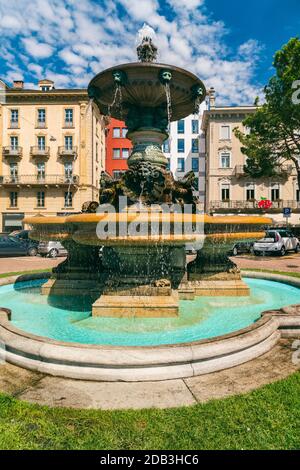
[{"x": 273, "y": 141}]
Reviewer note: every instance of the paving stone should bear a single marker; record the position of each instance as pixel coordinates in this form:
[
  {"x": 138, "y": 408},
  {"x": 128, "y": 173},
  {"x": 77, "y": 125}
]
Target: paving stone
[{"x": 14, "y": 380}]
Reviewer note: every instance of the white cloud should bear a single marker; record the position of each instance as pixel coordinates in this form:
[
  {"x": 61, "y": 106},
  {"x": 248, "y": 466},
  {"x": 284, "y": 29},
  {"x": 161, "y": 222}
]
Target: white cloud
[
  {"x": 37, "y": 49},
  {"x": 70, "y": 41}
]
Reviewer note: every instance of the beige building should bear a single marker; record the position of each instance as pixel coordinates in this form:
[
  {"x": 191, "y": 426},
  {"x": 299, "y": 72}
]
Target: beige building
[
  {"x": 228, "y": 189},
  {"x": 52, "y": 151}
]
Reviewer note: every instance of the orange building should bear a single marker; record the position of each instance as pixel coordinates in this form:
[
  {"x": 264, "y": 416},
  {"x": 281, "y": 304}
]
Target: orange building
[{"x": 118, "y": 148}]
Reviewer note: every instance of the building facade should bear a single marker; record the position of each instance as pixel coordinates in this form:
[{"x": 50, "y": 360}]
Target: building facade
[
  {"x": 185, "y": 150},
  {"x": 118, "y": 148},
  {"x": 228, "y": 189},
  {"x": 52, "y": 152}
]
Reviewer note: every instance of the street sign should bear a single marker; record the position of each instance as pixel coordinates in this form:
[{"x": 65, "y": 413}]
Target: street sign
[{"x": 287, "y": 212}]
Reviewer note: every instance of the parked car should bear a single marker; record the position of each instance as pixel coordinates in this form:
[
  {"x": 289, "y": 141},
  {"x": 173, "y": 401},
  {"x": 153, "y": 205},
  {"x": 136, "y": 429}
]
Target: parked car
[
  {"x": 24, "y": 235},
  {"x": 241, "y": 247},
  {"x": 51, "y": 249},
  {"x": 13, "y": 246},
  {"x": 277, "y": 242}
]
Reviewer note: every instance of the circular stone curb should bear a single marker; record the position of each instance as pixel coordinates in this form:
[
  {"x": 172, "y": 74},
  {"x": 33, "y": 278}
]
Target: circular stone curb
[{"x": 158, "y": 363}]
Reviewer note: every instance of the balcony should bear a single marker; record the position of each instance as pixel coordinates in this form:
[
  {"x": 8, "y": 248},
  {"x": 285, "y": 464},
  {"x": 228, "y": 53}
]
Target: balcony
[
  {"x": 66, "y": 151},
  {"x": 68, "y": 124},
  {"x": 12, "y": 151},
  {"x": 282, "y": 171},
  {"x": 41, "y": 125},
  {"x": 251, "y": 206},
  {"x": 14, "y": 125},
  {"x": 40, "y": 151},
  {"x": 40, "y": 180},
  {"x": 239, "y": 171}
]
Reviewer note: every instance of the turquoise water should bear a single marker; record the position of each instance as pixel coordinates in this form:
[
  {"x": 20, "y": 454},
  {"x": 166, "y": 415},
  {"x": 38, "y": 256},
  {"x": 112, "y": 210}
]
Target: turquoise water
[{"x": 68, "y": 319}]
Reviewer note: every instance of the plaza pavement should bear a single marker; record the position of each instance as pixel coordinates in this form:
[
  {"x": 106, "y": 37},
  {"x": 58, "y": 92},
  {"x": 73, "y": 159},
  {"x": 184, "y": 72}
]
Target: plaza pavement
[{"x": 290, "y": 262}]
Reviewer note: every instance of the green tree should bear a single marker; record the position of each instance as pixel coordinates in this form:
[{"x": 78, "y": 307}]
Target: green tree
[{"x": 274, "y": 137}]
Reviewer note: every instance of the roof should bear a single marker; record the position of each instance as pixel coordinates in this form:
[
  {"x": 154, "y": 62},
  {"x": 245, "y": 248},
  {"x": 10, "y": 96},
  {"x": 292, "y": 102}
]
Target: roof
[{"x": 227, "y": 111}]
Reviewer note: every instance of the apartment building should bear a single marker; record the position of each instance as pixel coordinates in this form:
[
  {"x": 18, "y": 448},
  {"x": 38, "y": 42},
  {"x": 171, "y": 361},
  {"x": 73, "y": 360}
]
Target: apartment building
[
  {"x": 52, "y": 151},
  {"x": 118, "y": 148},
  {"x": 228, "y": 189},
  {"x": 185, "y": 150}
]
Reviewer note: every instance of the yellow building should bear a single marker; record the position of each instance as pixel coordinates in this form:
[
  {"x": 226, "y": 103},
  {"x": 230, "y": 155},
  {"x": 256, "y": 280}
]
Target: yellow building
[
  {"x": 228, "y": 189},
  {"x": 52, "y": 147}
]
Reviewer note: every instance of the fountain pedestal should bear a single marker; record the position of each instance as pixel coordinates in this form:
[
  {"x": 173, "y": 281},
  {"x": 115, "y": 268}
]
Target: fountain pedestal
[{"x": 212, "y": 273}]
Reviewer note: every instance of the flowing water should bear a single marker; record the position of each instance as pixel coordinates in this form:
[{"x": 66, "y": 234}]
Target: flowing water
[
  {"x": 169, "y": 105},
  {"x": 69, "y": 318}
]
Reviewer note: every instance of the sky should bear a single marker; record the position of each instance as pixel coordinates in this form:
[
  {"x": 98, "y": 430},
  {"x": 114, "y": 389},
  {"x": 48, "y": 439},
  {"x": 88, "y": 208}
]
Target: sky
[{"x": 229, "y": 44}]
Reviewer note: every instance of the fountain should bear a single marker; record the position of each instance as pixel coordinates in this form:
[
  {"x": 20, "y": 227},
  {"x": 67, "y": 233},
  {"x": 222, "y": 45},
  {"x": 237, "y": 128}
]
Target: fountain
[
  {"x": 140, "y": 311},
  {"x": 142, "y": 271}
]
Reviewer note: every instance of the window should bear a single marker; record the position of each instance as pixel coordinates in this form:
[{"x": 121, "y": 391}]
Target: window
[
  {"x": 298, "y": 195},
  {"x": 14, "y": 142},
  {"x": 41, "y": 118},
  {"x": 166, "y": 146},
  {"x": 195, "y": 164},
  {"x": 116, "y": 132},
  {"x": 250, "y": 192},
  {"x": 195, "y": 126},
  {"x": 41, "y": 170},
  {"x": 97, "y": 152},
  {"x": 225, "y": 132},
  {"x": 125, "y": 153},
  {"x": 13, "y": 197},
  {"x": 14, "y": 118},
  {"x": 40, "y": 199},
  {"x": 195, "y": 146},
  {"x": 180, "y": 127},
  {"x": 13, "y": 171},
  {"x": 45, "y": 88},
  {"x": 117, "y": 174},
  {"x": 41, "y": 140},
  {"x": 69, "y": 117},
  {"x": 225, "y": 192},
  {"x": 169, "y": 164},
  {"x": 116, "y": 153},
  {"x": 196, "y": 184},
  {"x": 124, "y": 132},
  {"x": 180, "y": 164},
  {"x": 275, "y": 192},
  {"x": 180, "y": 145},
  {"x": 68, "y": 170},
  {"x": 69, "y": 142},
  {"x": 68, "y": 199},
  {"x": 225, "y": 160}
]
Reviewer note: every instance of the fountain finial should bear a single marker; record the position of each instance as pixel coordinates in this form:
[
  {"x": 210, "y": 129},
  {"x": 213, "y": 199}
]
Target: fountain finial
[{"x": 146, "y": 49}]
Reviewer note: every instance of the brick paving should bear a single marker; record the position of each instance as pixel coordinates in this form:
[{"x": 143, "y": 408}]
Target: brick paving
[{"x": 27, "y": 263}]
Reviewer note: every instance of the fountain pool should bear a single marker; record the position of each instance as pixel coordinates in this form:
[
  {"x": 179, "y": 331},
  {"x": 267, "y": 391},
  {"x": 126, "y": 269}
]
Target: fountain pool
[{"x": 204, "y": 317}]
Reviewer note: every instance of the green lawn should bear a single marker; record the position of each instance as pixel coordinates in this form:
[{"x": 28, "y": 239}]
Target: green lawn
[
  {"x": 283, "y": 273},
  {"x": 45, "y": 270},
  {"x": 265, "y": 419}
]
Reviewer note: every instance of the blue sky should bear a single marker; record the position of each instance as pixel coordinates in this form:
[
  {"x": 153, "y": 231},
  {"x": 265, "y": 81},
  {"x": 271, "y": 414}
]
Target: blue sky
[{"x": 229, "y": 47}]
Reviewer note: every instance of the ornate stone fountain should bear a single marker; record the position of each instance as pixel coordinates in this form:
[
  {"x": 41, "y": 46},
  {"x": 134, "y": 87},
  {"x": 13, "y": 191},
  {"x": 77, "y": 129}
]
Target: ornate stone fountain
[{"x": 142, "y": 270}]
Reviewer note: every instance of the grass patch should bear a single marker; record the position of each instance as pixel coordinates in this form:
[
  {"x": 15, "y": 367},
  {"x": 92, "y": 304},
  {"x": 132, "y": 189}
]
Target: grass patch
[
  {"x": 283, "y": 273},
  {"x": 267, "y": 418},
  {"x": 45, "y": 270}
]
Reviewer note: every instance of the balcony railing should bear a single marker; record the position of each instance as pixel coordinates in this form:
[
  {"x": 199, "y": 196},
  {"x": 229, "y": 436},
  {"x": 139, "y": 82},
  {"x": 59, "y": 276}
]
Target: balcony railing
[
  {"x": 282, "y": 170},
  {"x": 12, "y": 151},
  {"x": 41, "y": 124},
  {"x": 14, "y": 124},
  {"x": 37, "y": 151},
  {"x": 44, "y": 180},
  {"x": 67, "y": 151},
  {"x": 239, "y": 170},
  {"x": 69, "y": 124},
  {"x": 246, "y": 205}
]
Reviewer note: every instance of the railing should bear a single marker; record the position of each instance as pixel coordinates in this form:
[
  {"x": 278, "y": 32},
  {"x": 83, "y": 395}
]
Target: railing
[
  {"x": 14, "y": 124},
  {"x": 40, "y": 180},
  {"x": 282, "y": 170},
  {"x": 12, "y": 151},
  {"x": 65, "y": 150},
  {"x": 41, "y": 124},
  {"x": 68, "y": 124},
  {"x": 37, "y": 151},
  {"x": 236, "y": 205}
]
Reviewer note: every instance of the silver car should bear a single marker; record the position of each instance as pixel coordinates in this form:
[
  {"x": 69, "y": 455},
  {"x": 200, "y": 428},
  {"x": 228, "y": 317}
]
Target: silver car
[
  {"x": 277, "y": 242},
  {"x": 51, "y": 249}
]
